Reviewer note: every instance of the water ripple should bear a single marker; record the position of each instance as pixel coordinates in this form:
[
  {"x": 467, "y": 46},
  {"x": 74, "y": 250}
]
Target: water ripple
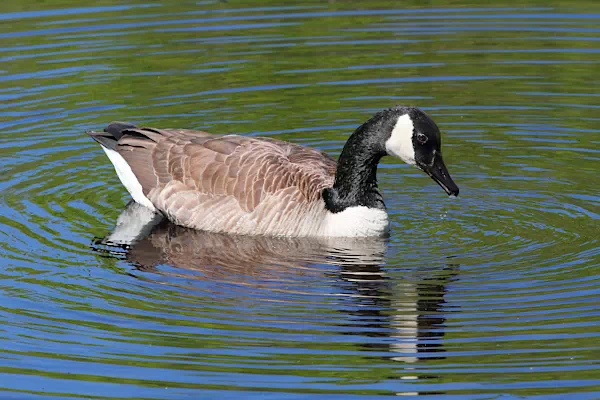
[{"x": 491, "y": 294}]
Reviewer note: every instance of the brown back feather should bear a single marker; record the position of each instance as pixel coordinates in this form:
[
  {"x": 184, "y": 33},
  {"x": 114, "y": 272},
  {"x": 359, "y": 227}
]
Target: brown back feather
[{"x": 244, "y": 168}]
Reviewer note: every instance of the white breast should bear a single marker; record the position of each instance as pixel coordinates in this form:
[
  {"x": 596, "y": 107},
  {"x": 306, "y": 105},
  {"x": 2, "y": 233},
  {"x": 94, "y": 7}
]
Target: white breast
[{"x": 357, "y": 221}]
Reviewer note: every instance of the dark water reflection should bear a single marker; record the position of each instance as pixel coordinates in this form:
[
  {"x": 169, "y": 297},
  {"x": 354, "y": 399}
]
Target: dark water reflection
[{"x": 377, "y": 317}]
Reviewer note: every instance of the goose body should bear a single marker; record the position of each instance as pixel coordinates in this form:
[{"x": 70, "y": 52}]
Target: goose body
[{"x": 262, "y": 186}]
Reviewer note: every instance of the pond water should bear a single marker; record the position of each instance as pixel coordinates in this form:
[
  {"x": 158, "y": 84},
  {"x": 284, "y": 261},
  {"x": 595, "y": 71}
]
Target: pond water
[{"x": 493, "y": 294}]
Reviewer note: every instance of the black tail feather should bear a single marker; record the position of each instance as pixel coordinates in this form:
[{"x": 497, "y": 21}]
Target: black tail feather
[
  {"x": 111, "y": 135},
  {"x": 117, "y": 128}
]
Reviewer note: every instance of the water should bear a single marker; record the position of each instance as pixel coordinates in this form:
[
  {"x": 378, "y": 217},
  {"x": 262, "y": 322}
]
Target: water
[{"x": 491, "y": 295}]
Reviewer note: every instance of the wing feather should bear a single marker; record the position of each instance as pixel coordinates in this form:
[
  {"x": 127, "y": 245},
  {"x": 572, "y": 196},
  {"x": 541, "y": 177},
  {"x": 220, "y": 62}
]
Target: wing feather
[{"x": 197, "y": 178}]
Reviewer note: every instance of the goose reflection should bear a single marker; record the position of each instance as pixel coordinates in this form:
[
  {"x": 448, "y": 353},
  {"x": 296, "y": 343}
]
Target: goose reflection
[
  {"x": 398, "y": 313},
  {"x": 148, "y": 241},
  {"x": 409, "y": 307}
]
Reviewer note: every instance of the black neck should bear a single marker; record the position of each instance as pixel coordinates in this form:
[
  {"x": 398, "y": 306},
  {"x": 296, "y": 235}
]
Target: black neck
[{"x": 356, "y": 175}]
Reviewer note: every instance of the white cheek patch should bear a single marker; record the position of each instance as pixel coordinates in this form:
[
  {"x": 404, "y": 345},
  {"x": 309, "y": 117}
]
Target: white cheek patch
[{"x": 400, "y": 143}]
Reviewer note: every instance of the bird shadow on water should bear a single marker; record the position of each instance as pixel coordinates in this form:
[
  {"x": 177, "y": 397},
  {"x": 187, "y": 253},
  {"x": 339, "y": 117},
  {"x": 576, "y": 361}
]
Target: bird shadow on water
[{"x": 393, "y": 314}]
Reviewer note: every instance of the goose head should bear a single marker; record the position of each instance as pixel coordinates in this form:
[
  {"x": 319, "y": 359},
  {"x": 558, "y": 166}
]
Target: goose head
[{"x": 414, "y": 138}]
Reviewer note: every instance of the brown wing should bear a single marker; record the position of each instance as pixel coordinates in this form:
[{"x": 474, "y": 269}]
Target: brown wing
[{"x": 187, "y": 172}]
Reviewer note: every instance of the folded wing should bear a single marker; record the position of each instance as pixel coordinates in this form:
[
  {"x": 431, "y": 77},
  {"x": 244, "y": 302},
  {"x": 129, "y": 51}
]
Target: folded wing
[{"x": 226, "y": 183}]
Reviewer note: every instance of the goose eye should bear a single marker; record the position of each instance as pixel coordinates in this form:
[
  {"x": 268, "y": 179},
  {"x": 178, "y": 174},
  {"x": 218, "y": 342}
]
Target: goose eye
[{"x": 421, "y": 138}]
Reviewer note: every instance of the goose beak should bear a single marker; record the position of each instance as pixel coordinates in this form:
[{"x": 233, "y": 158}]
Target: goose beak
[{"x": 439, "y": 173}]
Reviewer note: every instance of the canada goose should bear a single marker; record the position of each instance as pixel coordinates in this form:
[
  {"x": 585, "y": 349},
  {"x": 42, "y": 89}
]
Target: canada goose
[{"x": 263, "y": 186}]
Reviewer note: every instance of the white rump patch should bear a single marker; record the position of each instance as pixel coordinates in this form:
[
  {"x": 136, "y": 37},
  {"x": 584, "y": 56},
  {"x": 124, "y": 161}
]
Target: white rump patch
[
  {"x": 128, "y": 178},
  {"x": 400, "y": 143},
  {"x": 134, "y": 223},
  {"x": 359, "y": 221}
]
